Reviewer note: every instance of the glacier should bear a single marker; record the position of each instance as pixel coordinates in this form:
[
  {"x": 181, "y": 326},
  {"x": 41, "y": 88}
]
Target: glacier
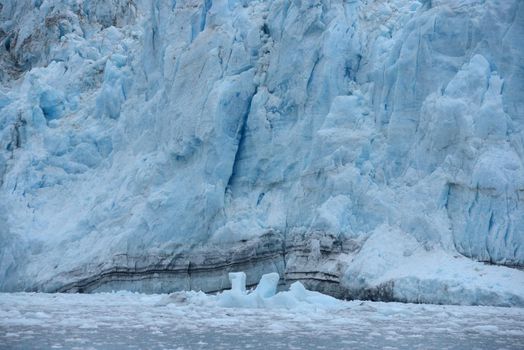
[{"x": 370, "y": 149}]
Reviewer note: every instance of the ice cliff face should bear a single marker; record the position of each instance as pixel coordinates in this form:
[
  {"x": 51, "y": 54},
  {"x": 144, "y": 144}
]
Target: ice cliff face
[{"x": 364, "y": 147}]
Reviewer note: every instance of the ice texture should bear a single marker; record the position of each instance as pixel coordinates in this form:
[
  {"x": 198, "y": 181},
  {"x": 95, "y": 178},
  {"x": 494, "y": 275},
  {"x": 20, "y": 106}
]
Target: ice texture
[
  {"x": 238, "y": 282},
  {"x": 263, "y": 296},
  {"x": 193, "y": 320},
  {"x": 372, "y": 148}
]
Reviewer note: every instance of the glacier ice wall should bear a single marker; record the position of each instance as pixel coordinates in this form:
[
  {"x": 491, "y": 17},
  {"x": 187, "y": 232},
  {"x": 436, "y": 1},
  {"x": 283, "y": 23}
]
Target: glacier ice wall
[{"x": 149, "y": 144}]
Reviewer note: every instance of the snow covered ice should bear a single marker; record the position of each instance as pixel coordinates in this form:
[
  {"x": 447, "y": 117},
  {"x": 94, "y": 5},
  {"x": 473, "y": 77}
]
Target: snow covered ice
[{"x": 368, "y": 149}]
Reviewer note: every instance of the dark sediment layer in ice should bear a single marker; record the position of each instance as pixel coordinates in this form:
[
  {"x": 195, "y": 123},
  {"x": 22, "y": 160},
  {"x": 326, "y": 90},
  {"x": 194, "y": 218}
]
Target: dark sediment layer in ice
[{"x": 313, "y": 262}]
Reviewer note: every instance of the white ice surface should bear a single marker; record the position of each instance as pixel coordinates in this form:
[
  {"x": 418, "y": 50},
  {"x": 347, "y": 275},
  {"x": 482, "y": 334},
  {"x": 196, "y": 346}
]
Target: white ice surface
[
  {"x": 195, "y": 321},
  {"x": 391, "y": 258},
  {"x": 264, "y": 296}
]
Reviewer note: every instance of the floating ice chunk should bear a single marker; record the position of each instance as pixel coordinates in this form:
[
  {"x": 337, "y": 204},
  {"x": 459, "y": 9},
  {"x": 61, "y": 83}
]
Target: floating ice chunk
[
  {"x": 299, "y": 291},
  {"x": 265, "y": 296},
  {"x": 238, "y": 282},
  {"x": 236, "y": 297},
  {"x": 184, "y": 298},
  {"x": 267, "y": 287}
]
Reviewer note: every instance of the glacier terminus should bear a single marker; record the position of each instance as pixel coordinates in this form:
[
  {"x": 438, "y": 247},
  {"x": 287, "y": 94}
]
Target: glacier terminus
[{"x": 370, "y": 149}]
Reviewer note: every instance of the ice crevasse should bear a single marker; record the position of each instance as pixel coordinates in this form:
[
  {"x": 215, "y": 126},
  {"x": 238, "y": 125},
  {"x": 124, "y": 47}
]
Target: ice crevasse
[{"x": 369, "y": 149}]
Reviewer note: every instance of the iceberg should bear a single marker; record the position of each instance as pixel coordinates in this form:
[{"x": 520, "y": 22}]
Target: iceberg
[
  {"x": 264, "y": 296},
  {"x": 368, "y": 149}
]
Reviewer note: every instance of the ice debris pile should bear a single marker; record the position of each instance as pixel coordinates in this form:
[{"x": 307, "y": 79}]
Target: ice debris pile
[
  {"x": 366, "y": 148},
  {"x": 143, "y": 321},
  {"x": 263, "y": 296}
]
